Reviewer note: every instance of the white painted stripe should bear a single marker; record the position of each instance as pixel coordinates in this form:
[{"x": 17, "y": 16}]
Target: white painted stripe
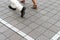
[
  {"x": 0, "y": 19},
  {"x": 56, "y": 36},
  {"x": 16, "y": 30},
  {"x": 27, "y": 37},
  {"x": 59, "y": 32}
]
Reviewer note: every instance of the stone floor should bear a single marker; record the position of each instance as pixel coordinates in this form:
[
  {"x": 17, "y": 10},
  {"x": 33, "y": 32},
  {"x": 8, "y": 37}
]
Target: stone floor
[
  {"x": 8, "y": 34},
  {"x": 40, "y": 24}
]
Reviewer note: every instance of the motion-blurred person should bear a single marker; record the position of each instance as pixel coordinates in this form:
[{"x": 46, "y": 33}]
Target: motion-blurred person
[
  {"x": 15, "y": 4},
  {"x": 34, "y": 4}
]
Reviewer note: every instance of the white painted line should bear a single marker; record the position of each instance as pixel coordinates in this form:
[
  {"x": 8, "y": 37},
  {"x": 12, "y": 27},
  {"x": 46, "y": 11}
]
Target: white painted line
[
  {"x": 3, "y": 21},
  {"x": 27, "y": 37},
  {"x": 56, "y": 36},
  {"x": 16, "y": 30},
  {"x": 0, "y": 19},
  {"x": 59, "y": 32}
]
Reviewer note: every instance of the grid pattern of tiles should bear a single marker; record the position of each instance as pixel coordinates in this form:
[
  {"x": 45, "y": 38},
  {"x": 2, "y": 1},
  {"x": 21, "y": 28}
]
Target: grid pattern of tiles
[
  {"x": 40, "y": 24},
  {"x": 16, "y": 30},
  {"x": 8, "y": 34}
]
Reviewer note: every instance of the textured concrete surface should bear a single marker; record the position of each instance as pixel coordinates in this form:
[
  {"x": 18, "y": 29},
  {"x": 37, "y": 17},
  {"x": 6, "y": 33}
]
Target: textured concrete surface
[{"x": 40, "y": 24}]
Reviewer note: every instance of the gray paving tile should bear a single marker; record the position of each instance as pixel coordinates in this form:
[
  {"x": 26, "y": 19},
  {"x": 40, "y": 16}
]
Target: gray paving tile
[
  {"x": 9, "y": 19},
  {"x": 2, "y": 37},
  {"x": 57, "y": 8},
  {"x": 58, "y": 13},
  {"x": 40, "y": 7},
  {"x": 33, "y": 25},
  {"x": 48, "y": 14},
  {"x": 42, "y": 37},
  {"x": 6, "y": 11},
  {"x": 23, "y": 39},
  {"x": 55, "y": 28},
  {"x": 38, "y": 15},
  {"x": 7, "y": 39},
  {"x": 26, "y": 22},
  {"x": 1, "y": 13},
  {"x": 56, "y": 17},
  {"x": 20, "y": 19},
  {"x": 15, "y": 37},
  {"x": 58, "y": 23},
  {"x": 49, "y": 34},
  {"x": 54, "y": 11},
  {"x": 43, "y": 11},
  {"x": 1, "y": 25},
  {"x": 49, "y": 8},
  {"x": 4, "y": 16},
  {"x": 20, "y": 26},
  {"x": 27, "y": 15},
  {"x": 41, "y": 22},
  {"x": 10, "y": 14},
  {"x": 33, "y": 18},
  {"x": 32, "y": 12},
  {"x": 15, "y": 14},
  {"x": 3, "y": 28},
  {"x": 55, "y": 4},
  {"x": 46, "y": 25},
  {"x": 40, "y": 29},
  {"x": 44, "y": 18},
  {"x": 26, "y": 30},
  {"x": 14, "y": 22},
  {"x": 2, "y": 8},
  {"x": 8, "y": 33},
  {"x": 52, "y": 21},
  {"x": 34, "y": 34}
]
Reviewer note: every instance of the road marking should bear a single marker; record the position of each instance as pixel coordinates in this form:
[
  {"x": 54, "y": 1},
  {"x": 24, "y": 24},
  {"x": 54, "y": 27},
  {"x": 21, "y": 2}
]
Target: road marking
[
  {"x": 56, "y": 36},
  {"x": 16, "y": 30}
]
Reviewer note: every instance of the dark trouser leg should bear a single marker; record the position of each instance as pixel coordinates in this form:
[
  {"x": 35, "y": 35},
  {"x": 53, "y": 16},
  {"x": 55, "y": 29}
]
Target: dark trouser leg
[
  {"x": 23, "y": 12},
  {"x": 11, "y": 8}
]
